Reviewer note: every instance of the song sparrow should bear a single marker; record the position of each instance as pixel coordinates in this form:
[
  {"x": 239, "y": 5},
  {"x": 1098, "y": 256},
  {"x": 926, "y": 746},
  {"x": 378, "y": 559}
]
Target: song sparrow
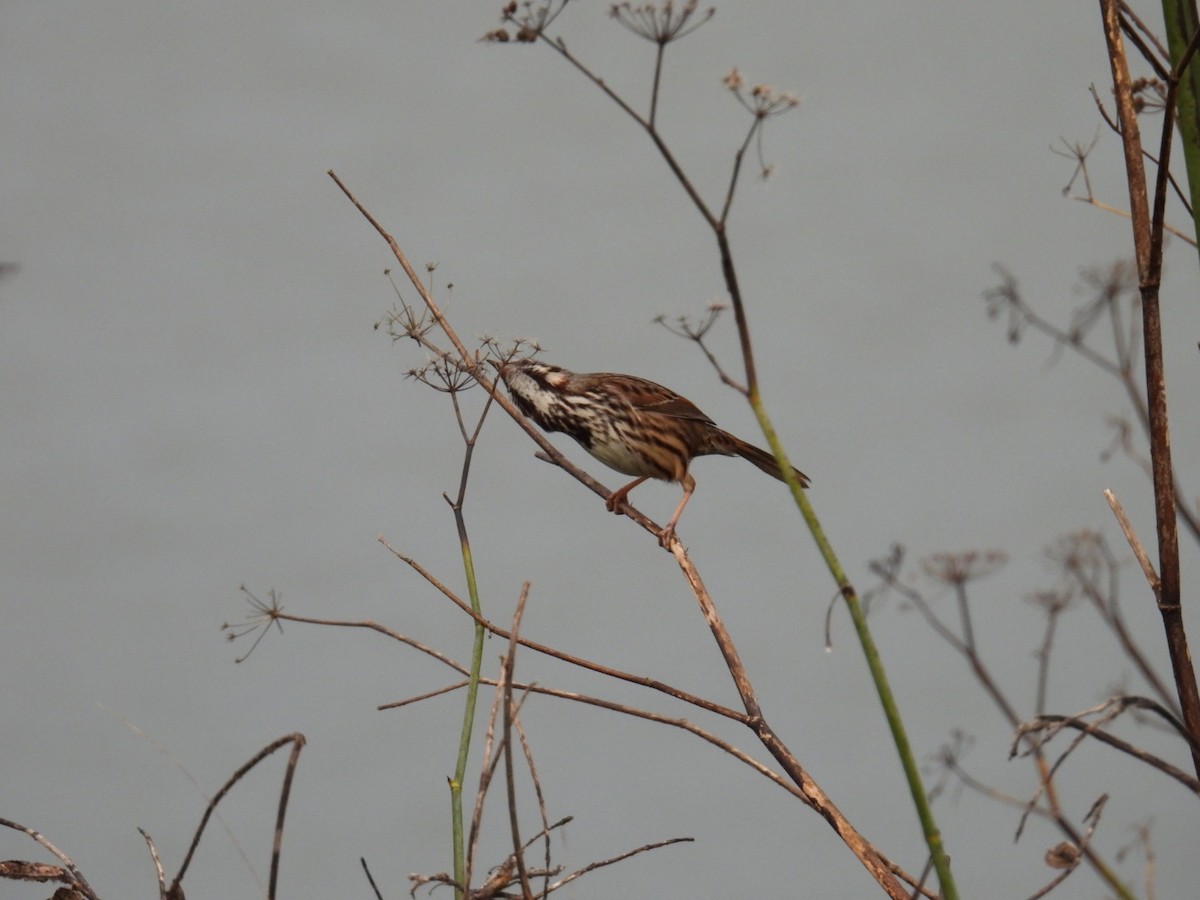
[{"x": 630, "y": 424}]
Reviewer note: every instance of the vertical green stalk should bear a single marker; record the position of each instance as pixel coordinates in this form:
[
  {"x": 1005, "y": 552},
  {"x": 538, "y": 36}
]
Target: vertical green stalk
[
  {"x": 464, "y": 741},
  {"x": 1181, "y": 22},
  {"x": 891, "y": 711}
]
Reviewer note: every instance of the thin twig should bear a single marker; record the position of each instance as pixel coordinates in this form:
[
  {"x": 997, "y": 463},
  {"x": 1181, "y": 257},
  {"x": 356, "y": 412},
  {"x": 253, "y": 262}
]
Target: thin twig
[
  {"x": 370, "y": 878},
  {"x": 448, "y": 689},
  {"x": 158, "y": 869},
  {"x": 591, "y": 867},
  {"x": 599, "y": 668},
  {"x": 1135, "y": 545},
  {"x": 297, "y": 742},
  {"x": 510, "y": 714},
  {"x": 860, "y": 846}
]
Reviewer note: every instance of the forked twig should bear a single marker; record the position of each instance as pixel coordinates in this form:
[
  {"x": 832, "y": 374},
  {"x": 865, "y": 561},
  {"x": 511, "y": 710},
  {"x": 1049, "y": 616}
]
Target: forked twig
[{"x": 297, "y": 741}]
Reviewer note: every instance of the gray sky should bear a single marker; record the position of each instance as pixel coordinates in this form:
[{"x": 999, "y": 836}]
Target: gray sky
[{"x": 194, "y": 398}]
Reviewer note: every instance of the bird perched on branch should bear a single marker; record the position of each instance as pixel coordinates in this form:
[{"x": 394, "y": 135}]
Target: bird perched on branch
[{"x": 630, "y": 424}]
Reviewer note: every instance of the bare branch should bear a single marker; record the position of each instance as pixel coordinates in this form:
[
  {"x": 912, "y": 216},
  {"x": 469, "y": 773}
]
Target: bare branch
[{"x": 81, "y": 883}]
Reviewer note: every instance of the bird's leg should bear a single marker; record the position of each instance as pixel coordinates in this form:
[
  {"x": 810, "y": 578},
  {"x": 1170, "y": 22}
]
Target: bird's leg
[
  {"x": 617, "y": 497},
  {"x": 668, "y": 533}
]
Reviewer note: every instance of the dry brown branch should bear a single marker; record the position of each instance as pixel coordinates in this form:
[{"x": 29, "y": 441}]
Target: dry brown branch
[
  {"x": 806, "y": 790},
  {"x": 1079, "y": 153},
  {"x": 158, "y": 869},
  {"x": 1131, "y": 537},
  {"x": 21, "y": 870},
  {"x": 1086, "y": 558},
  {"x": 956, "y": 571},
  {"x": 616, "y": 707},
  {"x": 471, "y": 361},
  {"x": 860, "y": 846},
  {"x": 544, "y": 835},
  {"x": 1066, "y": 855},
  {"x": 1108, "y": 287},
  {"x": 1147, "y": 238},
  {"x": 297, "y": 741},
  {"x": 598, "y": 668},
  {"x": 510, "y": 713},
  {"x": 762, "y": 103},
  {"x": 582, "y": 663},
  {"x": 1077, "y": 845},
  {"x": 448, "y": 689},
  {"x": 370, "y": 878},
  {"x": 487, "y": 771},
  {"x": 1089, "y": 721},
  {"x": 1130, "y": 24},
  {"x": 75, "y": 882},
  {"x": 862, "y": 849},
  {"x": 502, "y": 876},
  {"x": 502, "y": 701},
  {"x": 591, "y": 867},
  {"x": 950, "y": 758},
  {"x": 265, "y": 616}
]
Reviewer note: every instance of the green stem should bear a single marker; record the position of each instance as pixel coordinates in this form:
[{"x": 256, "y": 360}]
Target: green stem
[
  {"x": 891, "y": 711},
  {"x": 464, "y": 742}
]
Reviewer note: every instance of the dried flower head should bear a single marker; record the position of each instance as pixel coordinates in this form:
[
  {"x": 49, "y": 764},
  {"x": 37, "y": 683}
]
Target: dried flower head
[
  {"x": 445, "y": 373},
  {"x": 403, "y": 320},
  {"x": 761, "y": 99},
  {"x": 959, "y": 568},
  {"x": 1006, "y": 298},
  {"x": 1149, "y": 95},
  {"x": 528, "y": 20},
  {"x": 1053, "y": 601},
  {"x": 1063, "y": 856},
  {"x": 1083, "y": 554},
  {"x": 663, "y": 23},
  {"x": 691, "y": 326}
]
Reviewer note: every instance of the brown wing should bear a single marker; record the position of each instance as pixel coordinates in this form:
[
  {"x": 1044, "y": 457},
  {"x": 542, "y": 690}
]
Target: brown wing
[{"x": 652, "y": 397}]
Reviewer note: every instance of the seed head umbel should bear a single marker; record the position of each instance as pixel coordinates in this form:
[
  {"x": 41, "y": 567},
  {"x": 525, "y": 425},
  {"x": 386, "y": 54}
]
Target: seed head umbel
[{"x": 662, "y": 23}]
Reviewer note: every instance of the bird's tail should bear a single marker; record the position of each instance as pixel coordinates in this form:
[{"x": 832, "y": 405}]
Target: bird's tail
[{"x": 761, "y": 458}]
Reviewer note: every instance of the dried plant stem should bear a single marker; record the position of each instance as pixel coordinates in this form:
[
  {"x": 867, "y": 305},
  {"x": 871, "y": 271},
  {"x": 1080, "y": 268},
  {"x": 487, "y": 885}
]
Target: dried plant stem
[
  {"x": 1135, "y": 545},
  {"x": 964, "y": 643},
  {"x": 813, "y": 794},
  {"x": 158, "y": 869},
  {"x": 297, "y": 742},
  {"x": 510, "y": 715},
  {"x": 81, "y": 883},
  {"x": 1147, "y": 238},
  {"x": 1104, "y": 207}
]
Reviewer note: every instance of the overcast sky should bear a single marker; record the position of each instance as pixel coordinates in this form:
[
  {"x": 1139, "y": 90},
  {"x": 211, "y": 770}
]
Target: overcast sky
[{"x": 194, "y": 397}]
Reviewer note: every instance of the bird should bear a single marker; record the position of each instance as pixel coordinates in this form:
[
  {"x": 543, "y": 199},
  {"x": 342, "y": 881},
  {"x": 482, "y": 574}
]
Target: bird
[{"x": 630, "y": 424}]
